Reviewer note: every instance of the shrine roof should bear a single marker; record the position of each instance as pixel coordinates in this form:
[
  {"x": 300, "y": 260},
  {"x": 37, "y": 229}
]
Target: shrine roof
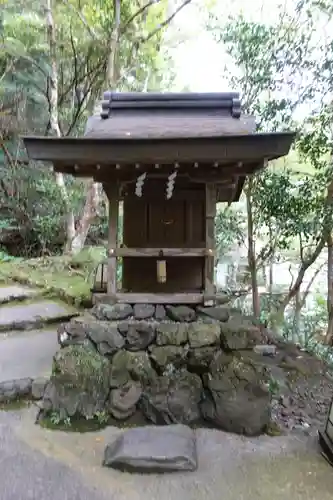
[
  {"x": 163, "y": 129},
  {"x": 169, "y": 115}
]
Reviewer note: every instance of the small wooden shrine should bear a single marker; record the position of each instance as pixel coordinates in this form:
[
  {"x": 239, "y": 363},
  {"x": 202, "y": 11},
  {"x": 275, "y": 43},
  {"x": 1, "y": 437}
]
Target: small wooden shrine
[{"x": 170, "y": 158}]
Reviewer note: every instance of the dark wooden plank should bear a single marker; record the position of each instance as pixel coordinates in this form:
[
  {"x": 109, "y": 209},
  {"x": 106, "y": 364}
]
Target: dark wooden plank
[
  {"x": 112, "y": 191},
  {"x": 156, "y": 252},
  {"x": 160, "y": 298},
  {"x": 152, "y": 298},
  {"x": 210, "y": 238}
]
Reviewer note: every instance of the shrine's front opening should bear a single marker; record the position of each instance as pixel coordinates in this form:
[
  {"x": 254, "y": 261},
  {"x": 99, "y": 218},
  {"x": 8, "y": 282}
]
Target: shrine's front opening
[{"x": 154, "y": 222}]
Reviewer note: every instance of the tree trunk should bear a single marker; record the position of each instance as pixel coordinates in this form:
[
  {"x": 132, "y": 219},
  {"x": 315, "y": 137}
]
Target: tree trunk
[
  {"x": 329, "y": 332},
  {"x": 89, "y": 213},
  {"x": 295, "y": 288},
  {"x": 251, "y": 255},
  {"x": 271, "y": 271},
  {"x": 75, "y": 239},
  {"x": 112, "y": 69},
  {"x": 54, "y": 128},
  {"x": 297, "y": 317}
]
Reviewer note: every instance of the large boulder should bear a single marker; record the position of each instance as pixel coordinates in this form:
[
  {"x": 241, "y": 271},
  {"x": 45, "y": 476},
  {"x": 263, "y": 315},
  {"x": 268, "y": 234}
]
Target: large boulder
[
  {"x": 72, "y": 333},
  {"x": 239, "y": 333},
  {"x": 216, "y": 313},
  {"x": 237, "y": 397},
  {"x": 123, "y": 401},
  {"x": 181, "y": 313},
  {"x": 128, "y": 365},
  {"x": 168, "y": 355},
  {"x": 139, "y": 335},
  {"x": 114, "y": 312},
  {"x": 160, "y": 312},
  {"x": 104, "y": 335},
  {"x": 13, "y": 390},
  {"x": 173, "y": 399},
  {"x": 79, "y": 384},
  {"x": 143, "y": 311},
  {"x": 201, "y": 334},
  {"x": 171, "y": 333},
  {"x": 200, "y": 358},
  {"x": 153, "y": 449}
]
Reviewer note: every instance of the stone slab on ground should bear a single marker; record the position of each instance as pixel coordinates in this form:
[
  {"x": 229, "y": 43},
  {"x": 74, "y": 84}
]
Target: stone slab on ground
[
  {"x": 37, "y": 314},
  {"x": 153, "y": 449},
  {"x": 16, "y": 292},
  {"x": 27, "y": 354}
]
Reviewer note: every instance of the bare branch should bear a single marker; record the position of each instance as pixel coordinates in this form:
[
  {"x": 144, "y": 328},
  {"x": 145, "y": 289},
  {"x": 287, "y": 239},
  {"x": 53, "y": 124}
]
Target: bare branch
[
  {"x": 138, "y": 13},
  {"x": 301, "y": 272},
  {"x": 166, "y": 22},
  {"x": 309, "y": 285},
  {"x": 9, "y": 66},
  {"x": 292, "y": 277},
  {"x": 84, "y": 21}
]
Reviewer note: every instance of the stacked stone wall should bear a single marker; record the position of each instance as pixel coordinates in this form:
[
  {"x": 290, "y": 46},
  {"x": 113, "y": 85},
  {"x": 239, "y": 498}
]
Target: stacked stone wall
[{"x": 170, "y": 364}]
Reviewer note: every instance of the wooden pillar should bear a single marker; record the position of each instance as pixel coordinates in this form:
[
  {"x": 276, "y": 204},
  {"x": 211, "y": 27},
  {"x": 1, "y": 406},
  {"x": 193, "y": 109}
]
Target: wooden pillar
[
  {"x": 112, "y": 191},
  {"x": 209, "y": 287}
]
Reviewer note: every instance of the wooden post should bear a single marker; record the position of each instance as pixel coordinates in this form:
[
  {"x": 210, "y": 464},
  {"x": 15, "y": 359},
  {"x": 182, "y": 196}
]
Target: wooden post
[
  {"x": 209, "y": 287},
  {"x": 112, "y": 191}
]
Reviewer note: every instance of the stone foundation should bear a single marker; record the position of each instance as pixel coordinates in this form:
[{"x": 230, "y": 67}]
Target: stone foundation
[{"x": 172, "y": 364}]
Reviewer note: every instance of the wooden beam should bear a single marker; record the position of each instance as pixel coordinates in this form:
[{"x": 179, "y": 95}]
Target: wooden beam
[
  {"x": 210, "y": 240},
  {"x": 112, "y": 191},
  {"x": 160, "y": 252},
  {"x": 160, "y": 298},
  {"x": 128, "y": 175}
]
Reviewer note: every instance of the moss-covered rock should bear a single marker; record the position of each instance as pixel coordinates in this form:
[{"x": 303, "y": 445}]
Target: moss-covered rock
[
  {"x": 201, "y": 334},
  {"x": 237, "y": 398},
  {"x": 173, "y": 399},
  {"x": 171, "y": 334},
  {"x": 128, "y": 365},
  {"x": 79, "y": 384},
  {"x": 168, "y": 354}
]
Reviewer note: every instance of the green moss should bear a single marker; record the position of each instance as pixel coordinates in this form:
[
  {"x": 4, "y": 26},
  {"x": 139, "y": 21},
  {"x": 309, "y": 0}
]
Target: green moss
[
  {"x": 273, "y": 429},
  {"x": 18, "y": 404},
  {"x": 83, "y": 365},
  {"x": 80, "y": 424},
  {"x": 68, "y": 278},
  {"x": 76, "y": 424}
]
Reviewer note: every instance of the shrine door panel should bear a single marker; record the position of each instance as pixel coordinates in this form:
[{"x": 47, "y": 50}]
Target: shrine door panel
[{"x": 160, "y": 223}]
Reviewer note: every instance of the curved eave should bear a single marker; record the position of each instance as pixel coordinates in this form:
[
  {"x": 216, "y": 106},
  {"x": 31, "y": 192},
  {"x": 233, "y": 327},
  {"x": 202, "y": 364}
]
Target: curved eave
[{"x": 223, "y": 149}]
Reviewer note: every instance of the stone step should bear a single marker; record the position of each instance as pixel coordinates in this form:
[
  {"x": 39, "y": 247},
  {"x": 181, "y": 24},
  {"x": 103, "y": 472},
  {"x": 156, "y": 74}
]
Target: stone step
[
  {"x": 9, "y": 293},
  {"x": 27, "y": 354},
  {"x": 26, "y": 316}
]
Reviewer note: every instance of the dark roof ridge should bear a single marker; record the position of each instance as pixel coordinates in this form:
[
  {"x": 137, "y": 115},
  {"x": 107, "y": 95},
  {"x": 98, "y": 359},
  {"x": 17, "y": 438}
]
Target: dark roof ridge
[{"x": 226, "y": 102}]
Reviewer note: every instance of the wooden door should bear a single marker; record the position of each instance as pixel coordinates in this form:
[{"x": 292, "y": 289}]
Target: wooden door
[{"x": 154, "y": 222}]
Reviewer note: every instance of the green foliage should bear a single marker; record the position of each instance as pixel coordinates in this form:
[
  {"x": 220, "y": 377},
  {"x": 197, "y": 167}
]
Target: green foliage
[
  {"x": 290, "y": 207},
  {"x": 270, "y": 64},
  {"x": 84, "y": 34},
  {"x": 229, "y": 229},
  {"x": 312, "y": 324},
  {"x": 54, "y": 421},
  {"x": 4, "y": 257}
]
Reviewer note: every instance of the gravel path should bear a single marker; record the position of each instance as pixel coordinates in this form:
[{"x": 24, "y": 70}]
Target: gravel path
[{"x": 35, "y": 463}]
